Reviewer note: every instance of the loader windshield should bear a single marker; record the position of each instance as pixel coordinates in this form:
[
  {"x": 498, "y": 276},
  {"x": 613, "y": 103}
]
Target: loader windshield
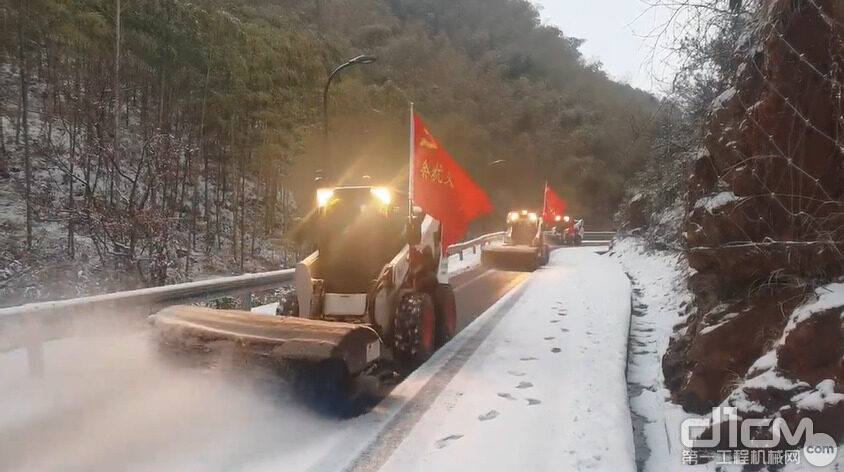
[
  {"x": 523, "y": 232},
  {"x": 360, "y": 230},
  {"x": 522, "y": 227}
]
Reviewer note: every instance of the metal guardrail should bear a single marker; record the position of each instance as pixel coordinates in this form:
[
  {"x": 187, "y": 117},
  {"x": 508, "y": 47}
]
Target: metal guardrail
[
  {"x": 29, "y": 326},
  {"x": 474, "y": 244},
  {"x": 598, "y": 235}
]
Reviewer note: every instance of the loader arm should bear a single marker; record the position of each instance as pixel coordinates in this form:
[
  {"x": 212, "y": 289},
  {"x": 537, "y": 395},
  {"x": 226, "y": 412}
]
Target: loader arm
[
  {"x": 303, "y": 278},
  {"x": 430, "y": 238}
]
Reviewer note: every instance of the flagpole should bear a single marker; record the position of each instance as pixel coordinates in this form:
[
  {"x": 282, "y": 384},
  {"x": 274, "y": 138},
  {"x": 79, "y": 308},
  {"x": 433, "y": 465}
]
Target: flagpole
[
  {"x": 545, "y": 200},
  {"x": 411, "y": 163}
]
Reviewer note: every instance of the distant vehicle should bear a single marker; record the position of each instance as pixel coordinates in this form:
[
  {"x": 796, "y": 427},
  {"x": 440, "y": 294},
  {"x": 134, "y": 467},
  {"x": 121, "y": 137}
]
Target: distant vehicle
[
  {"x": 568, "y": 230},
  {"x": 524, "y": 244}
]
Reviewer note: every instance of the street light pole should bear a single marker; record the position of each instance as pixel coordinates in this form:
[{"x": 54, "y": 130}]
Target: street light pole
[
  {"x": 363, "y": 59},
  {"x": 497, "y": 167}
]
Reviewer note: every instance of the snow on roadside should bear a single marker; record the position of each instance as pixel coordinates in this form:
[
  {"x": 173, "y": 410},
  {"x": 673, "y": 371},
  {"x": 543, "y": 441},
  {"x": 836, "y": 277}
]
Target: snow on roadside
[
  {"x": 546, "y": 389},
  {"x": 717, "y": 201},
  {"x": 268, "y": 309},
  {"x": 726, "y": 96},
  {"x": 826, "y": 297},
  {"x": 660, "y": 298}
]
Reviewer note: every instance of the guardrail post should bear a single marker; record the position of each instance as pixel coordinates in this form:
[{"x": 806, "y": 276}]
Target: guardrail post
[
  {"x": 34, "y": 347},
  {"x": 35, "y": 358},
  {"x": 246, "y": 302},
  {"x": 460, "y": 252},
  {"x": 474, "y": 249}
]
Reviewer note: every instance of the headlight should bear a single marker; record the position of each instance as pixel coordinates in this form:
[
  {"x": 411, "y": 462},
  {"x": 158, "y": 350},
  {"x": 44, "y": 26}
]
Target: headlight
[
  {"x": 566, "y": 219},
  {"x": 524, "y": 212},
  {"x": 382, "y": 194},
  {"x": 533, "y": 217},
  {"x": 557, "y": 218},
  {"x": 513, "y": 216},
  {"x": 323, "y": 196}
]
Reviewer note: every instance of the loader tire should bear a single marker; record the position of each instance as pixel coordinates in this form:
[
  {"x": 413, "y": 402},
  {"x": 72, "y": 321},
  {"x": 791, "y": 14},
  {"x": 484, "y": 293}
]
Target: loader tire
[
  {"x": 414, "y": 329},
  {"x": 324, "y": 386},
  {"x": 446, "y": 309},
  {"x": 546, "y": 255}
]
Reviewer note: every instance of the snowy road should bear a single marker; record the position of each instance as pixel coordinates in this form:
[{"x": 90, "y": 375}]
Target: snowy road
[
  {"x": 543, "y": 388},
  {"x": 107, "y": 404}
]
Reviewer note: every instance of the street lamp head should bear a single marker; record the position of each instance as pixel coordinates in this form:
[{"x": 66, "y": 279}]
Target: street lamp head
[{"x": 363, "y": 59}]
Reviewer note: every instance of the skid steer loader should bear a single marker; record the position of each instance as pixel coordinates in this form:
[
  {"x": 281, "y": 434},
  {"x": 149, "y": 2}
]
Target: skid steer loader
[
  {"x": 374, "y": 298},
  {"x": 524, "y": 245}
]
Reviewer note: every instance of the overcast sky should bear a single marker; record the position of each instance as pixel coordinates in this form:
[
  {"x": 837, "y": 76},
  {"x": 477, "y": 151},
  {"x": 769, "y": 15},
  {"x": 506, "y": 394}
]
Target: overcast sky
[{"x": 614, "y": 31}]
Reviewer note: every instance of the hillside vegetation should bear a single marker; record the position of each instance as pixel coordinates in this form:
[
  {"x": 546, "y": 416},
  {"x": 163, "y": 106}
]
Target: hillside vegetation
[{"x": 159, "y": 140}]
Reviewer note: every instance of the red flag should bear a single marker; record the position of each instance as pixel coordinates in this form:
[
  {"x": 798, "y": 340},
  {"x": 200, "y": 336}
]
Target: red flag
[
  {"x": 441, "y": 188},
  {"x": 554, "y": 206}
]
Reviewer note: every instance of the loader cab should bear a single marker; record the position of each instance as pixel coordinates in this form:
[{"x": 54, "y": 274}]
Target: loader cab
[
  {"x": 359, "y": 230},
  {"x": 561, "y": 223},
  {"x": 523, "y": 227}
]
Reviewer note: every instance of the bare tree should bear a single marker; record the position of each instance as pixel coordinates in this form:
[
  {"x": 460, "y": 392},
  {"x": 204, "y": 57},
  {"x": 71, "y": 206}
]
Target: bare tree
[
  {"x": 116, "y": 146},
  {"x": 24, "y": 84}
]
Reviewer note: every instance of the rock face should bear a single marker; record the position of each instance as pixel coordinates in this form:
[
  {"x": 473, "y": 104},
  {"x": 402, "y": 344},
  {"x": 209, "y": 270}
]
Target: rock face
[
  {"x": 765, "y": 227},
  {"x": 635, "y": 216}
]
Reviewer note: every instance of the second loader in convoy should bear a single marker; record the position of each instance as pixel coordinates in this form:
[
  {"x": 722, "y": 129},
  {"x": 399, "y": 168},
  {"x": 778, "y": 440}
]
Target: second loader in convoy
[
  {"x": 373, "y": 300},
  {"x": 524, "y": 245}
]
